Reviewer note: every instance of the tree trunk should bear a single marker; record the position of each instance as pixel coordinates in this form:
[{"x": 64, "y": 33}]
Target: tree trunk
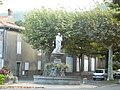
[
  {"x": 47, "y": 57},
  {"x": 79, "y": 64},
  {"x": 89, "y": 63},
  {"x": 106, "y": 62},
  {"x": 82, "y": 62},
  {"x": 110, "y": 66}
]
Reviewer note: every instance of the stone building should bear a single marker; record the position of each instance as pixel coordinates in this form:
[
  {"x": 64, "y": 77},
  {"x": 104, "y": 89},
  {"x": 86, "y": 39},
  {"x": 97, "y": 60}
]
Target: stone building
[{"x": 15, "y": 53}]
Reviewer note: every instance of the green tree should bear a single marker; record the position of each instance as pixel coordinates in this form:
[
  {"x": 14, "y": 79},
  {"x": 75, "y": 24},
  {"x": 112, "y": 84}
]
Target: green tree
[
  {"x": 115, "y": 7},
  {"x": 43, "y": 25},
  {"x": 1, "y": 2},
  {"x": 116, "y": 59},
  {"x": 19, "y": 23},
  {"x": 107, "y": 32},
  {"x": 83, "y": 32},
  {"x": 97, "y": 27},
  {"x": 79, "y": 37}
]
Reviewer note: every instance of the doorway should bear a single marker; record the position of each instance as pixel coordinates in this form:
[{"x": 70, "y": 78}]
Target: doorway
[{"x": 18, "y": 69}]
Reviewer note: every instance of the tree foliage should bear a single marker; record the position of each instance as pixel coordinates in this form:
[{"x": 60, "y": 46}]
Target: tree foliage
[
  {"x": 84, "y": 32},
  {"x": 1, "y": 2},
  {"x": 19, "y": 23},
  {"x": 43, "y": 25},
  {"x": 115, "y": 7},
  {"x": 116, "y": 59}
]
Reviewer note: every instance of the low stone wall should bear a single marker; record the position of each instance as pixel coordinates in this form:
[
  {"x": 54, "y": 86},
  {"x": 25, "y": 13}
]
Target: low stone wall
[
  {"x": 56, "y": 80},
  {"x": 87, "y": 75}
]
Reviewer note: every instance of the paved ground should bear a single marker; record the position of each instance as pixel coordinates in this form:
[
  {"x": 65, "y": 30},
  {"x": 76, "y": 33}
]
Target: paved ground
[
  {"x": 32, "y": 85},
  {"x": 29, "y": 84}
]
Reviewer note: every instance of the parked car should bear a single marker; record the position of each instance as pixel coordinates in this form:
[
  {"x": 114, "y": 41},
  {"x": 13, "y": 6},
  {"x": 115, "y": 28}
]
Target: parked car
[
  {"x": 117, "y": 74},
  {"x": 100, "y": 74}
]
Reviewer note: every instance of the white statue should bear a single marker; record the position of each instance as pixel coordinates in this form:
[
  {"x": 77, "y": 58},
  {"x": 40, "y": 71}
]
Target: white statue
[{"x": 58, "y": 44}]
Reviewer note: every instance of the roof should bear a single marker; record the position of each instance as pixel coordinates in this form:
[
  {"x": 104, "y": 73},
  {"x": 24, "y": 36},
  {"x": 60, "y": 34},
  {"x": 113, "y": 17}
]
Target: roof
[{"x": 8, "y": 21}]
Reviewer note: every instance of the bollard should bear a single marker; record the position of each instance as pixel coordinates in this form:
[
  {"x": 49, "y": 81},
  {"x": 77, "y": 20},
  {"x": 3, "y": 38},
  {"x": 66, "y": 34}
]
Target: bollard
[
  {"x": 15, "y": 79},
  {"x": 84, "y": 80}
]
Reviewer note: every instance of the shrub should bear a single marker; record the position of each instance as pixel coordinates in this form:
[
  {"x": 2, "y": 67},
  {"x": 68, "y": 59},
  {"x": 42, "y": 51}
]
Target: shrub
[
  {"x": 59, "y": 69},
  {"x": 2, "y": 78},
  {"x": 7, "y": 75},
  {"x": 6, "y": 68},
  {"x": 4, "y": 72}
]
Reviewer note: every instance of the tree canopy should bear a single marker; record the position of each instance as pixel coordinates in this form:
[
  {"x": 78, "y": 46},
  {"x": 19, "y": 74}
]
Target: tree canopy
[
  {"x": 43, "y": 25},
  {"x": 83, "y": 32},
  {"x": 0, "y": 2},
  {"x": 78, "y": 28}
]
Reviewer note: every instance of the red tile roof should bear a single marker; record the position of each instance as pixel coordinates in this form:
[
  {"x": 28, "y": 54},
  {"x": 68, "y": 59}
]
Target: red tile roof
[{"x": 8, "y": 21}]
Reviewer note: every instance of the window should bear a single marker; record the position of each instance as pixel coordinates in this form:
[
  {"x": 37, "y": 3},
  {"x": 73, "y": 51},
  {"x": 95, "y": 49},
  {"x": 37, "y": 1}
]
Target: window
[
  {"x": 39, "y": 65},
  {"x": 99, "y": 71},
  {"x": 69, "y": 61},
  {"x": 26, "y": 66},
  {"x": 18, "y": 44}
]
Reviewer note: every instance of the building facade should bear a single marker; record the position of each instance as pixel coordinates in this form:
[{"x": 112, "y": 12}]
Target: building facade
[{"x": 15, "y": 53}]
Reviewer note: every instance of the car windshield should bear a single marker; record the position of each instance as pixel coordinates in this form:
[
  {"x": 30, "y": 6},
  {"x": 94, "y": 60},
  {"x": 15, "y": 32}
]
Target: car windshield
[{"x": 99, "y": 71}]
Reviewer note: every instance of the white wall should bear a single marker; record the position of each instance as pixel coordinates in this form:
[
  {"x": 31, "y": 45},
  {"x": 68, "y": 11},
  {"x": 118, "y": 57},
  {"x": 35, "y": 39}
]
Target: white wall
[
  {"x": 85, "y": 63},
  {"x": 78, "y": 63},
  {"x": 92, "y": 64},
  {"x": 69, "y": 61},
  {"x": 39, "y": 65}
]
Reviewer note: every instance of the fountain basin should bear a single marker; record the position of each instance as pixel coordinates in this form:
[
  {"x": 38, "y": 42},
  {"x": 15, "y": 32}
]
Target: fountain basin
[{"x": 56, "y": 80}]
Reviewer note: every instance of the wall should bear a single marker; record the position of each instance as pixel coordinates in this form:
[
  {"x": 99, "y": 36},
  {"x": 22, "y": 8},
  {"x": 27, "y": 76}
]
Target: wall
[
  {"x": 16, "y": 62},
  {"x": 10, "y": 50}
]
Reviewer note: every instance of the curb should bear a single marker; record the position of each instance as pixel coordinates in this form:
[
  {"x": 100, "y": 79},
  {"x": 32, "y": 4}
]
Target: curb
[
  {"x": 5, "y": 87},
  {"x": 19, "y": 85},
  {"x": 27, "y": 86}
]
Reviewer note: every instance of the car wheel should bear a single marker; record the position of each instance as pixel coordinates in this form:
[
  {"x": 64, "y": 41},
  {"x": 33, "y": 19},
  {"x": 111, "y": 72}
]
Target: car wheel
[{"x": 94, "y": 78}]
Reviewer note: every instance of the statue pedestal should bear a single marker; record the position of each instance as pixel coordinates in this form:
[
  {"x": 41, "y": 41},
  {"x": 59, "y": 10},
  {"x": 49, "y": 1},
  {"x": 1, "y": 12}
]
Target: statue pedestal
[{"x": 57, "y": 57}]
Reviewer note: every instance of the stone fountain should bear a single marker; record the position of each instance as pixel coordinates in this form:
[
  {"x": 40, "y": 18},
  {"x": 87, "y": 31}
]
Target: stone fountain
[{"x": 54, "y": 72}]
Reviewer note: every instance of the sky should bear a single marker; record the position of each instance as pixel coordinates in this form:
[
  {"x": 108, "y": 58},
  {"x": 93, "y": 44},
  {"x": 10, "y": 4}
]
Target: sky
[{"x": 25, "y": 5}]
